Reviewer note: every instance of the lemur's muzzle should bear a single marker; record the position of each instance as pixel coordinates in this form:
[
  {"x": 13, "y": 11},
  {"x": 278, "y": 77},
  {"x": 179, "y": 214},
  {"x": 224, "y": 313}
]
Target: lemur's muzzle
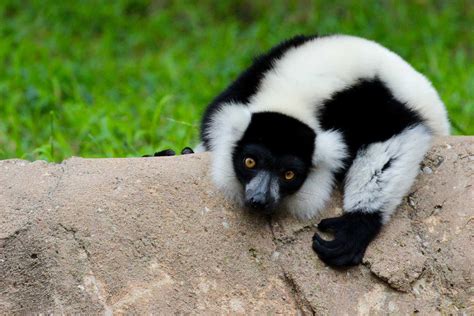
[{"x": 261, "y": 193}]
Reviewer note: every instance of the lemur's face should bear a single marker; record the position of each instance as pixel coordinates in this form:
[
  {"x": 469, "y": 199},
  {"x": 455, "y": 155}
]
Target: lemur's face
[
  {"x": 267, "y": 178},
  {"x": 273, "y": 159}
]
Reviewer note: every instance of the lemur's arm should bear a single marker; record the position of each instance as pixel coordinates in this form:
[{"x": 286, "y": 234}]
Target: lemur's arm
[{"x": 375, "y": 184}]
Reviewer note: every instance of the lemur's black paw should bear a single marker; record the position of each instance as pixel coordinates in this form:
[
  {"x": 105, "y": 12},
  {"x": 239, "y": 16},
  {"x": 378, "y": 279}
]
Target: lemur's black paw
[
  {"x": 166, "y": 152},
  {"x": 352, "y": 234},
  {"x": 171, "y": 152},
  {"x": 187, "y": 151}
]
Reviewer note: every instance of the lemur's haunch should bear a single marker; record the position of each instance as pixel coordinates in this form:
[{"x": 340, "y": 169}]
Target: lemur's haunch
[{"x": 316, "y": 110}]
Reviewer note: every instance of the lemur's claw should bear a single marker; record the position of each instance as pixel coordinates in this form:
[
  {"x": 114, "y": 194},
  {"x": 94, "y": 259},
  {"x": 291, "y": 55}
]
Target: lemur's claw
[
  {"x": 187, "y": 151},
  {"x": 352, "y": 234}
]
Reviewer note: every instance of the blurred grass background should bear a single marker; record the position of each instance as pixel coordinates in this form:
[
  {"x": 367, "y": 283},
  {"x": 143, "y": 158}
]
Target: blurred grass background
[{"x": 128, "y": 77}]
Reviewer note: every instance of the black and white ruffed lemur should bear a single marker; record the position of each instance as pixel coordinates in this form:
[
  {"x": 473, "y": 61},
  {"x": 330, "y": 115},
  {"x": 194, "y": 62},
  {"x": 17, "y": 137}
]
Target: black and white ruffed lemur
[{"x": 316, "y": 110}]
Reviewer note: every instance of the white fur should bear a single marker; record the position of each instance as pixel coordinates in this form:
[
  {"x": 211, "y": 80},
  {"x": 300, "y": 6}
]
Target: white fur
[
  {"x": 305, "y": 76},
  {"x": 330, "y": 150},
  {"x": 200, "y": 148},
  {"x": 368, "y": 188},
  {"x": 311, "y": 198},
  {"x": 228, "y": 126},
  {"x": 313, "y": 195}
]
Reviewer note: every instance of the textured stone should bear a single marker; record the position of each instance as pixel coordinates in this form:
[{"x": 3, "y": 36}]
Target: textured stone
[{"x": 152, "y": 235}]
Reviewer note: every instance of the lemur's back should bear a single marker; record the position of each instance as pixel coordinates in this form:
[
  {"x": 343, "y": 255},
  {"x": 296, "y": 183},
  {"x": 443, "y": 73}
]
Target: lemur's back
[{"x": 303, "y": 79}]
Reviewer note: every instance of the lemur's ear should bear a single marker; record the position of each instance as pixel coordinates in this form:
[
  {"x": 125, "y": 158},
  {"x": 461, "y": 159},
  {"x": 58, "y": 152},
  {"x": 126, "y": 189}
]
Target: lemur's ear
[{"x": 330, "y": 150}]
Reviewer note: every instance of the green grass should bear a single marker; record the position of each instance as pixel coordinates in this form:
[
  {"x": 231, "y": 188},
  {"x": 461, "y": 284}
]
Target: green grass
[{"x": 125, "y": 78}]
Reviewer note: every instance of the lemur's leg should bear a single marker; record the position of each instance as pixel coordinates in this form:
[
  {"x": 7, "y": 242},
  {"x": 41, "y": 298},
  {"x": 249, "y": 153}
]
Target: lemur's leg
[{"x": 375, "y": 184}]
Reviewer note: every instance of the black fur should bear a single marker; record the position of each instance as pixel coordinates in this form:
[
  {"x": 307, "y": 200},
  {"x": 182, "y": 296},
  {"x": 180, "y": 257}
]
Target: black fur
[
  {"x": 171, "y": 152},
  {"x": 277, "y": 143},
  {"x": 365, "y": 113},
  {"x": 187, "y": 151},
  {"x": 247, "y": 84},
  {"x": 352, "y": 234},
  {"x": 277, "y": 165},
  {"x": 162, "y": 153},
  {"x": 166, "y": 152},
  {"x": 281, "y": 134},
  {"x": 387, "y": 165}
]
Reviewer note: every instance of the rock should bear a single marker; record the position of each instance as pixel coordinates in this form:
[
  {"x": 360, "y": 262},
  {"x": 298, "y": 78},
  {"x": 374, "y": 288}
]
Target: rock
[{"x": 152, "y": 235}]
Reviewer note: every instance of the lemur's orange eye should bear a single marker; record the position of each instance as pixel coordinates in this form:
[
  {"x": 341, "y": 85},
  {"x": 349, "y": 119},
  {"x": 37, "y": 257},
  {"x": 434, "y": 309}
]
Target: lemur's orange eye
[
  {"x": 249, "y": 163},
  {"x": 289, "y": 175}
]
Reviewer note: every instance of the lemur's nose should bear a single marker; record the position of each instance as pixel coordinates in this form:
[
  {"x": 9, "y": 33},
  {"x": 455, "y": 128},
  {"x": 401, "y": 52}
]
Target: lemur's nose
[{"x": 259, "y": 202}]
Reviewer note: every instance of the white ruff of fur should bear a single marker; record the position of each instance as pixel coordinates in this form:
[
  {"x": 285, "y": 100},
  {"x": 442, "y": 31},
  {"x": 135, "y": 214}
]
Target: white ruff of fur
[
  {"x": 228, "y": 127},
  {"x": 312, "y": 197}
]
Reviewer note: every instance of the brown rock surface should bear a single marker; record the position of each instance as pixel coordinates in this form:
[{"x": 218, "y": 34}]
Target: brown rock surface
[{"x": 152, "y": 235}]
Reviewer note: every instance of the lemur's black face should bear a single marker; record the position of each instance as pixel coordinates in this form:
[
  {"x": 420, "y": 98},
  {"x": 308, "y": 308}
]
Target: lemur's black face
[{"x": 273, "y": 159}]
